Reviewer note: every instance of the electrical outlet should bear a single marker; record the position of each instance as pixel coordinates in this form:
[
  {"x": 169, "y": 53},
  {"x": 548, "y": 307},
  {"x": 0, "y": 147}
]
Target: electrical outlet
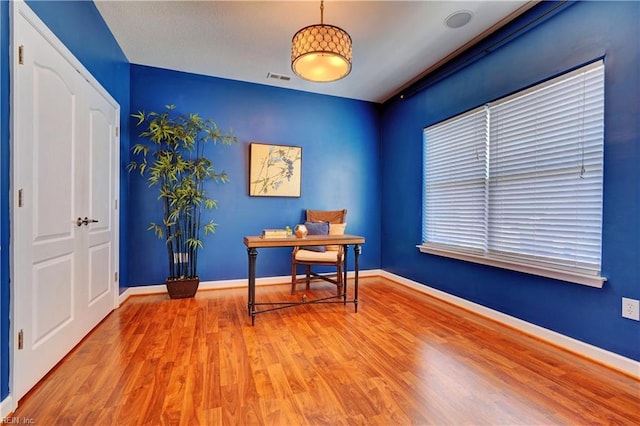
[{"x": 630, "y": 308}]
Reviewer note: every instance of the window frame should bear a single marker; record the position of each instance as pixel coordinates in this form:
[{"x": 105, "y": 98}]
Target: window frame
[{"x": 518, "y": 262}]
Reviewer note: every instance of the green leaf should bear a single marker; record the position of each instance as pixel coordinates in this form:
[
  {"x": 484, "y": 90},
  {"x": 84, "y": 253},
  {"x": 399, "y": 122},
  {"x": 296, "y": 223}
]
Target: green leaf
[
  {"x": 156, "y": 229},
  {"x": 210, "y": 204},
  {"x": 210, "y": 228},
  {"x": 140, "y": 116},
  {"x": 193, "y": 243}
]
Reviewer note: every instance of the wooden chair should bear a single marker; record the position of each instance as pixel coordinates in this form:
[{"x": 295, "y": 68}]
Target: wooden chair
[{"x": 332, "y": 256}]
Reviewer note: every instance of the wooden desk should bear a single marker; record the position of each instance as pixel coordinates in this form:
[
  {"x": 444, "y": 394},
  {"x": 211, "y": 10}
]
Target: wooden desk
[{"x": 254, "y": 243}]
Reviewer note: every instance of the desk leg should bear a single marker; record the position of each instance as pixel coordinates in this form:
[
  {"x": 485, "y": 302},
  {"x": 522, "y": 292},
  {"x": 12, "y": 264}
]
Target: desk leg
[
  {"x": 356, "y": 250},
  {"x": 345, "y": 253},
  {"x": 251, "y": 306}
]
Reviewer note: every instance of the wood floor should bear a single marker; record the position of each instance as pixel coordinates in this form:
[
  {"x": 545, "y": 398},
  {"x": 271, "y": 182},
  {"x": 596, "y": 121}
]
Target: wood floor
[{"x": 403, "y": 359}]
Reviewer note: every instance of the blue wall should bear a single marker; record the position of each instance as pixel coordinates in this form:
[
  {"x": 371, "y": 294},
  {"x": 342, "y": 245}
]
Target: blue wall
[
  {"x": 81, "y": 28},
  {"x": 340, "y": 169},
  {"x": 348, "y": 161},
  {"x": 576, "y": 35}
]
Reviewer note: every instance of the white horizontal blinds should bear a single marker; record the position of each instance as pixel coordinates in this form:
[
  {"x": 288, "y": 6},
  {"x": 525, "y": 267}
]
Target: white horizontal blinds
[
  {"x": 546, "y": 154},
  {"x": 455, "y": 181}
]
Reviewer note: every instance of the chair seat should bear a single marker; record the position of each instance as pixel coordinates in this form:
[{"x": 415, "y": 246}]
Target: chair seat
[
  {"x": 332, "y": 257},
  {"x": 315, "y": 256}
]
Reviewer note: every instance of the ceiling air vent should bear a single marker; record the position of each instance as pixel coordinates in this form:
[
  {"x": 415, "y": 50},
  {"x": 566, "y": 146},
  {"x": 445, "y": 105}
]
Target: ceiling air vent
[{"x": 275, "y": 76}]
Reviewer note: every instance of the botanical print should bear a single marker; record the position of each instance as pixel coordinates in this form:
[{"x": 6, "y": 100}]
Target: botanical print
[{"x": 275, "y": 170}]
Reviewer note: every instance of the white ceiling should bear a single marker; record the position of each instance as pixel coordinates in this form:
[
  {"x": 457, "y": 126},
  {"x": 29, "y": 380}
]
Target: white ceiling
[{"x": 394, "y": 42}]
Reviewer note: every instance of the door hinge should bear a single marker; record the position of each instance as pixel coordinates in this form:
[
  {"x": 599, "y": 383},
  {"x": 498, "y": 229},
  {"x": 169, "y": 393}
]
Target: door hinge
[
  {"x": 20, "y": 203},
  {"x": 21, "y": 54},
  {"x": 115, "y": 277},
  {"x": 20, "y": 339},
  {"x": 117, "y": 131},
  {"x": 115, "y": 204}
]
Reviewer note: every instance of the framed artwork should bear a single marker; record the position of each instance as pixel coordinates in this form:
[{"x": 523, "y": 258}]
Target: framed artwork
[{"x": 274, "y": 170}]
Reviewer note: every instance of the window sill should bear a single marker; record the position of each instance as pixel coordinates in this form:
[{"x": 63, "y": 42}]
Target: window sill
[{"x": 570, "y": 276}]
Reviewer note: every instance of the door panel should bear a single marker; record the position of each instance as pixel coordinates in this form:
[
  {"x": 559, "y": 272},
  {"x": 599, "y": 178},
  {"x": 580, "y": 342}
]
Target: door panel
[
  {"x": 99, "y": 266},
  {"x": 53, "y": 298},
  {"x": 101, "y": 133},
  {"x": 46, "y": 245},
  {"x": 52, "y": 212},
  {"x": 64, "y": 161},
  {"x": 52, "y": 250},
  {"x": 100, "y": 191}
]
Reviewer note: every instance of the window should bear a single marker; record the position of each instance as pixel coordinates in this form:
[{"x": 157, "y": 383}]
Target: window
[{"x": 517, "y": 183}]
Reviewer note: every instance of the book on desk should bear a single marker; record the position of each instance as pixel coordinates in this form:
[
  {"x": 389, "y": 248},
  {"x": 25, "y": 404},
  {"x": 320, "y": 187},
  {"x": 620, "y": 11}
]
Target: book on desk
[{"x": 275, "y": 233}]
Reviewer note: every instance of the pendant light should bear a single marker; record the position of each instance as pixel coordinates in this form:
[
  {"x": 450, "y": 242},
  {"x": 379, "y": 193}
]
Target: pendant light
[{"x": 321, "y": 53}]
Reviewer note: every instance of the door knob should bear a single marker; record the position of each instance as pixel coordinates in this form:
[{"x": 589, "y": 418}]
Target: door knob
[{"x": 86, "y": 221}]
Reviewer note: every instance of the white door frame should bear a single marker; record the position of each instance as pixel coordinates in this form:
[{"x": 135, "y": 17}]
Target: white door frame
[{"x": 19, "y": 8}]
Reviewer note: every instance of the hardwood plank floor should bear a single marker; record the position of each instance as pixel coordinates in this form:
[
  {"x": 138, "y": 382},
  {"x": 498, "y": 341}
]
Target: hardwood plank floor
[{"x": 404, "y": 358}]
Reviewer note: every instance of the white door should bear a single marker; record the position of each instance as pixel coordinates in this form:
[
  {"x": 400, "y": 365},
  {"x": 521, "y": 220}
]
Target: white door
[{"x": 64, "y": 150}]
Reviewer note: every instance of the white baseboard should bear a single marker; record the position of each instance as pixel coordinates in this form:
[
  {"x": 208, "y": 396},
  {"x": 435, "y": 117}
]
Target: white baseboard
[
  {"x": 217, "y": 285},
  {"x": 610, "y": 359},
  {"x": 6, "y": 407}
]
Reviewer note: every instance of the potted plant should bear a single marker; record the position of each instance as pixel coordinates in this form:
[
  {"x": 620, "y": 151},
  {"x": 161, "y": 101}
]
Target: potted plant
[{"x": 172, "y": 158}]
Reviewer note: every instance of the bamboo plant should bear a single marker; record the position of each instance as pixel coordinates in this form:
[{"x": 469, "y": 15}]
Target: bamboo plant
[{"x": 172, "y": 158}]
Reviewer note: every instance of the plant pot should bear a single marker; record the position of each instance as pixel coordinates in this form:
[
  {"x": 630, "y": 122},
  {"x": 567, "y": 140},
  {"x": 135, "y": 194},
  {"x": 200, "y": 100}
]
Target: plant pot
[{"x": 182, "y": 288}]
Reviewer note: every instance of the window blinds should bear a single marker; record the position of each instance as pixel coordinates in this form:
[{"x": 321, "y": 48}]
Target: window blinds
[
  {"x": 545, "y": 172},
  {"x": 455, "y": 159},
  {"x": 521, "y": 178}
]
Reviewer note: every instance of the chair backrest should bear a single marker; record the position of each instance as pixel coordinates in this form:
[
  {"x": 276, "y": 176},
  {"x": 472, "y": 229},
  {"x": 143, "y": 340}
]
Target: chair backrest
[{"x": 331, "y": 216}]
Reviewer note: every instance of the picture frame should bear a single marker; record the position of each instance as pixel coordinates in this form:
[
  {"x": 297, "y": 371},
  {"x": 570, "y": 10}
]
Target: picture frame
[{"x": 274, "y": 170}]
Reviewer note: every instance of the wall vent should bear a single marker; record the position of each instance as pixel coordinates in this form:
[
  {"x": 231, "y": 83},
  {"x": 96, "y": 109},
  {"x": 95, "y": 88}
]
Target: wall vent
[{"x": 275, "y": 76}]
